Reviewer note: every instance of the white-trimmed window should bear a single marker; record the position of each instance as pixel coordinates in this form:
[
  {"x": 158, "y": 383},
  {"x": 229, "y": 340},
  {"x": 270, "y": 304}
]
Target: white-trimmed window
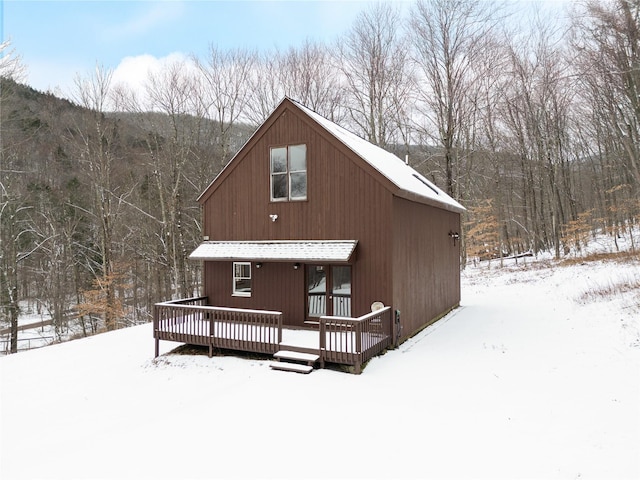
[
  {"x": 289, "y": 173},
  {"x": 242, "y": 279}
]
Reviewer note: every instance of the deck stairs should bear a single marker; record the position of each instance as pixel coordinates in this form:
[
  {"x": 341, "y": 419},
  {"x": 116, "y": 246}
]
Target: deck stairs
[{"x": 291, "y": 361}]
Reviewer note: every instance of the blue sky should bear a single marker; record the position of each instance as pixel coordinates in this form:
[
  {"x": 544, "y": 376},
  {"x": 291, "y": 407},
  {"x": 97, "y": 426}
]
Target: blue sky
[{"x": 58, "y": 39}]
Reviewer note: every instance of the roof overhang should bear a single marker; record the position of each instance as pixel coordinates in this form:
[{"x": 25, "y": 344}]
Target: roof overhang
[
  {"x": 308, "y": 251},
  {"x": 451, "y": 205}
]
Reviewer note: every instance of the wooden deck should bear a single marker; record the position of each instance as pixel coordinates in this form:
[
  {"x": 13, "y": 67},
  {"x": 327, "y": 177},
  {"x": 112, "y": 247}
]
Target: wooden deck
[{"x": 340, "y": 340}]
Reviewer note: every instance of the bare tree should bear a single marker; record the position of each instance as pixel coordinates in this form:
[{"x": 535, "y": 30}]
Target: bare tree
[
  {"x": 537, "y": 104},
  {"x": 607, "y": 44},
  {"x": 266, "y": 89},
  {"x": 449, "y": 38},
  {"x": 309, "y": 75},
  {"x": 174, "y": 93},
  {"x": 11, "y": 65},
  {"x": 225, "y": 93},
  {"x": 373, "y": 58},
  {"x": 13, "y": 233},
  {"x": 97, "y": 142},
  {"x": 18, "y": 241}
]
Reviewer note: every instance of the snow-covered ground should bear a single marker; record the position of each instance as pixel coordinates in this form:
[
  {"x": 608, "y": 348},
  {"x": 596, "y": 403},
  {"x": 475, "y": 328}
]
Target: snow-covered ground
[{"x": 536, "y": 375}]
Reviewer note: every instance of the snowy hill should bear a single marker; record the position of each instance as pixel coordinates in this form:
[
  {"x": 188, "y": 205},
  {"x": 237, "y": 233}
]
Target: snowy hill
[{"x": 536, "y": 375}]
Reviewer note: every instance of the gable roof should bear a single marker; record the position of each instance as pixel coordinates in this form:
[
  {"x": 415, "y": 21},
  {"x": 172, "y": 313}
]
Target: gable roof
[{"x": 409, "y": 183}]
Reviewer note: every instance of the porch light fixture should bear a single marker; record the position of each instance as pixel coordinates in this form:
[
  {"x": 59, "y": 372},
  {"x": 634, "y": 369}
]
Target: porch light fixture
[
  {"x": 273, "y": 217},
  {"x": 296, "y": 266},
  {"x": 259, "y": 265},
  {"x": 455, "y": 236}
]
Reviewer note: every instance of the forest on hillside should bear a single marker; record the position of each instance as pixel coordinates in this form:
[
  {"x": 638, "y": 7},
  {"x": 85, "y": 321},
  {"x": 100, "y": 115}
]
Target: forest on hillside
[{"x": 531, "y": 122}]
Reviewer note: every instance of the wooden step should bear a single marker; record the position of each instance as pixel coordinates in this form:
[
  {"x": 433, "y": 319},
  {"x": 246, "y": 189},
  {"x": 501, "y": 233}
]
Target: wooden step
[
  {"x": 309, "y": 358},
  {"x": 291, "y": 367}
]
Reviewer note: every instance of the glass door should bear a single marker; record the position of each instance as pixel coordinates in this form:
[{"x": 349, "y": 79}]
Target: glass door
[{"x": 328, "y": 290}]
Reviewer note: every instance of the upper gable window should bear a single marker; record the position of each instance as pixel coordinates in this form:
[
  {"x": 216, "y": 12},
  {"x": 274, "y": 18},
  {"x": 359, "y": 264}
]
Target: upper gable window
[{"x": 289, "y": 173}]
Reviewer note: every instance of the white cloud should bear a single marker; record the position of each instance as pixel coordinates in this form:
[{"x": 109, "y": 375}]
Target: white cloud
[{"x": 132, "y": 73}]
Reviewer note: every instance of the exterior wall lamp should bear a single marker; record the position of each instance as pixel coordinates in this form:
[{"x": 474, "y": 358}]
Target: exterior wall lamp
[
  {"x": 455, "y": 236},
  {"x": 259, "y": 265},
  {"x": 296, "y": 266}
]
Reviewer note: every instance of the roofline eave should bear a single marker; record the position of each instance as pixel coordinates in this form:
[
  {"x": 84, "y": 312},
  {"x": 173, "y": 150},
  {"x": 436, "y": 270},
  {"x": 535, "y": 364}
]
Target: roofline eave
[{"x": 411, "y": 196}]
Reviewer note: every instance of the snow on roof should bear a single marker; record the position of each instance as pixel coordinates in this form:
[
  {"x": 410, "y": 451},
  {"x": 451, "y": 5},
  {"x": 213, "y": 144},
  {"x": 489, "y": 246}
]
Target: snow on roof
[
  {"x": 393, "y": 168},
  {"x": 278, "y": 251}
]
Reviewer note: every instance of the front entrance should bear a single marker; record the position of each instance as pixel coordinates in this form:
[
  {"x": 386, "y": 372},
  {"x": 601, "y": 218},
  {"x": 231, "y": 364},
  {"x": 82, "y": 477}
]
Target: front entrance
[{"x": 328, "y": 290}]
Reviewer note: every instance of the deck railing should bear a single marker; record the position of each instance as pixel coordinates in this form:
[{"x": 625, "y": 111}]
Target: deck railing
[
  {"x": 354, "y": 341},
  {"x": 191, "y": 321},
  {"x": 343, "y": 340}
]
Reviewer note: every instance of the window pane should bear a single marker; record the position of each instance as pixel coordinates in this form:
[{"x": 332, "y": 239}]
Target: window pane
[
  {"x": 341, "y": 290},
  {"x": 279, "y": 187},
  {"x": 298, "y": 158},
  {"x": 243, "y": 285},
  {"x": 341, "y": 280},
  {"x": 316, "y": 291},
  {"x": 299, "y": 185},
  {"x": 245, "y": 270},
  {"x": 278, "y": 160}
]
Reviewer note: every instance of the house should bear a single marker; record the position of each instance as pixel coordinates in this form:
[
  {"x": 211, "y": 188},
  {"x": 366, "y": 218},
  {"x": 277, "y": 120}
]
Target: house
[{"x": 310, "y": 226}]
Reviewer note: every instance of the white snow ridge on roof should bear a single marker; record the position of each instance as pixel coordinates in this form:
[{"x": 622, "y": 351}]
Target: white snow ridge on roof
[
  {"x": 277, "y": 251},
  {"x": 402, "y": 175}
]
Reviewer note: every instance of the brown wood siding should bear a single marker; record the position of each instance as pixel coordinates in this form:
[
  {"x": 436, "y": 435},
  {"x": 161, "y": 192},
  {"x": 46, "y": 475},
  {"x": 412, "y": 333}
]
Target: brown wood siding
[
  {"x": 275, "y": 286},
  {"x": 426, "y": 271},
  {"x": 344, "y": 201}
]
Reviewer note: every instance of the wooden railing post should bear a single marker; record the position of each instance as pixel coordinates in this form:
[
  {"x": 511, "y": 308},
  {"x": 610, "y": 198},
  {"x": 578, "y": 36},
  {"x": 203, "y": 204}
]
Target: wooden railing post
[
  {"x": 279, "y": 329},
  {"x": 322, "y": 331},
  {"x": 358, "y": 352},
  {"x": 155, "y": 330}
]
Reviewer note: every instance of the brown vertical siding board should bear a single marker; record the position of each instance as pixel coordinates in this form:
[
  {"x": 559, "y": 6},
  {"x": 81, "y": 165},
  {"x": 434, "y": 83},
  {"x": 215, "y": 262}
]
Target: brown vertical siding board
[{"x": 433, "y": 265}]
